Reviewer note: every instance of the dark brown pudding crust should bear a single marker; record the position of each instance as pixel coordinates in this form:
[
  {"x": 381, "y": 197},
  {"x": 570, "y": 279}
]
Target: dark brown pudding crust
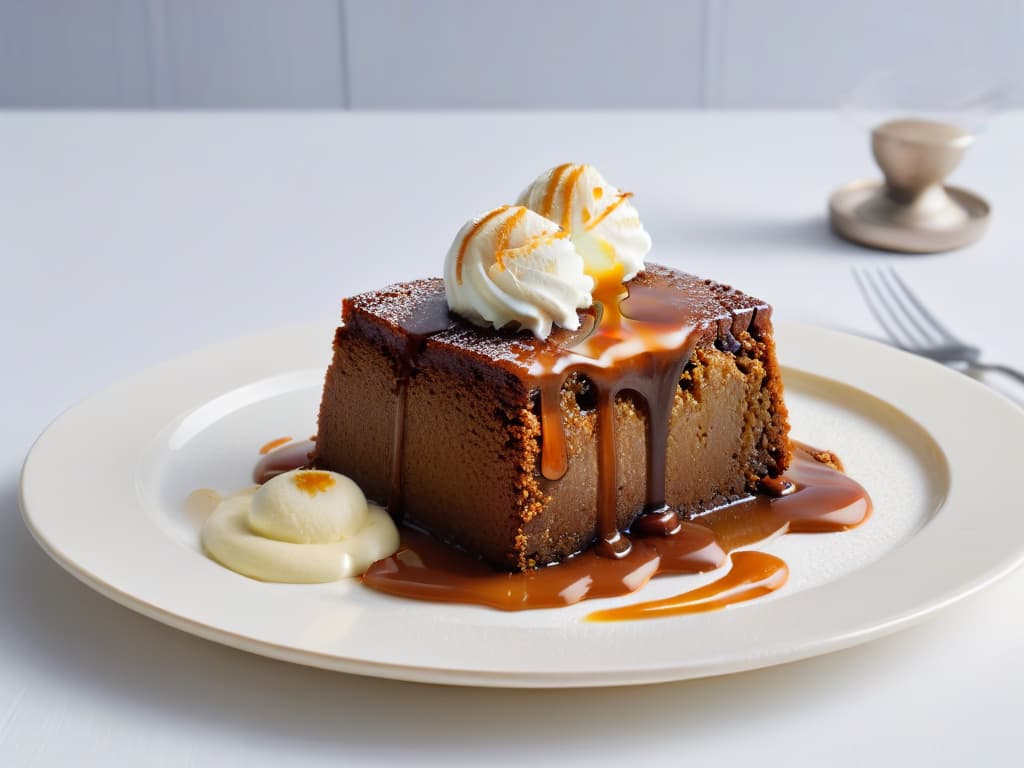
[{"x": 470, "y": 437}]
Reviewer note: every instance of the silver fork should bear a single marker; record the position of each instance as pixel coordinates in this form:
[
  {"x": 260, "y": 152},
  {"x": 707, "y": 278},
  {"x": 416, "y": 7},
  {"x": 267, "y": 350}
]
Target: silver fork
[{"x": 912, "y": 327}]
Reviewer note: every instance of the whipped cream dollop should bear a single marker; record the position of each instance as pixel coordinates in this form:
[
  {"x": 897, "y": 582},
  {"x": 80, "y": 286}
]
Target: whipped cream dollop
[
  {"x": 603, "y": 224},
  {"x": 301, "y": 527},
  {"x": 513, "y": 266}
]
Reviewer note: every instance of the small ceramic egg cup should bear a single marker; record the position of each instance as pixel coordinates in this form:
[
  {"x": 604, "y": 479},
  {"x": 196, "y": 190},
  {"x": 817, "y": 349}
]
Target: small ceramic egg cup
[{"x": 912, "y": 211}]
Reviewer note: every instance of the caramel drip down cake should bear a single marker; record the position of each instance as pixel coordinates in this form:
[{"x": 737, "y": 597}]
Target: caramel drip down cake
[{"x": 453, "y": 425}]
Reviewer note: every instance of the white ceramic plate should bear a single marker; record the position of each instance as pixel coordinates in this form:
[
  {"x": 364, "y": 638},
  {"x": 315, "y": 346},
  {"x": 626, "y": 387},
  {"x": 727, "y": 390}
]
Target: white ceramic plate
[{"x": 102, "y": 491}]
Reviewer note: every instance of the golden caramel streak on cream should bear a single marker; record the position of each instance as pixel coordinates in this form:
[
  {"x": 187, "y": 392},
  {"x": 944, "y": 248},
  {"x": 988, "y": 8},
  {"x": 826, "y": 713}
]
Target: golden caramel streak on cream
[
  {"x": 567, "y": 191},
  {"x": 549, "y": 194},
  {"x": 504, "y": 233},
  {"x": 622, "y": 198},
  {"x": 530, "y": 245},
  {"x": 469, "y": 236}
]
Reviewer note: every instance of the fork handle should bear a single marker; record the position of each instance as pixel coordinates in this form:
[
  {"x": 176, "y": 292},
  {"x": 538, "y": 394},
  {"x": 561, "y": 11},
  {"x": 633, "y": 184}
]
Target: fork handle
[{"x": 1011, "y": 372}]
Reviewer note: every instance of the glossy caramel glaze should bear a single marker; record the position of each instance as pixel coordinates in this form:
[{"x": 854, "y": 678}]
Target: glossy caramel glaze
[
  {"x": 625, "y": 359},
  {"x": 641, "y": 342},
  {"x": 637, "y": 338},
  {"x": 813, "y": 497},
  {"x": 718, "y": 311},
  {"x": 752, "y": 575},
  {"x": 822, "y": 500}
]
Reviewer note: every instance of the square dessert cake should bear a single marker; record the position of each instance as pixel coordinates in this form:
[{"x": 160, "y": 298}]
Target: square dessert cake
[
  {"x": 553, "y": 391},
  {"x": 491, "y": 439}
]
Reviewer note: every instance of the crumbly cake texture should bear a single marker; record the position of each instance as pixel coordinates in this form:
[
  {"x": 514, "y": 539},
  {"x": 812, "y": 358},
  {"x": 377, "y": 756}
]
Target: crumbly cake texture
[{"x": 470, "y": 468}]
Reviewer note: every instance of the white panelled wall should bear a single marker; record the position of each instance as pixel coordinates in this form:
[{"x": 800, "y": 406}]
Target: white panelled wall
[{"x": 370, "y": 54}]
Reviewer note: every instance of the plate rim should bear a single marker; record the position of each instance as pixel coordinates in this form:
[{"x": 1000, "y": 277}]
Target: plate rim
[{"x": 636, "y": 674}]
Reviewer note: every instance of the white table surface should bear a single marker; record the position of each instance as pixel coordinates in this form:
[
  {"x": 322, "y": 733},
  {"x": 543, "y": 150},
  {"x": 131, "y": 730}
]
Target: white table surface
[{"x": 126, "y": 239}]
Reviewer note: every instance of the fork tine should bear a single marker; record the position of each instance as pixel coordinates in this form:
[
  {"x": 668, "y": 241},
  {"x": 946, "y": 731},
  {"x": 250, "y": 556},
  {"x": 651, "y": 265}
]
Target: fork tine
[
  {"x": 875, "y": 301},
  {"x": 882, "y": 309},
  {"x": 902, "y": 307},
  {"x": 937, "y": 327}
]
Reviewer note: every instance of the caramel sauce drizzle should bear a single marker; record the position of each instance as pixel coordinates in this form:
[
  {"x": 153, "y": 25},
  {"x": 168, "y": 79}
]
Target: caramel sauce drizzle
[
  {"x": 503, "y": 235},
  {"x": 645, "y": 356},
  {"x": 554, "y": 455},
  {"x": 461, "y": 255},
  {"x": 812, "y": 498},
  {"x": 563, "y": 185},
  {"x": 623, "y": 196},
  {"x": 753, "y": 574},
  {"x": 268, "y": 447},
  {"x": 426, "y": 569},
  {"x": 822, "y": 500},
  {"x": 568, "y": 190},
  {"x": 548, "y": 201}
]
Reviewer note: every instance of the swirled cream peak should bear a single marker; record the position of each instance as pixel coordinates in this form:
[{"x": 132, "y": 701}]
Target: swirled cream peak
[
  {"x": 603, "y": 224},
  {"x": 513, "y": 266}
]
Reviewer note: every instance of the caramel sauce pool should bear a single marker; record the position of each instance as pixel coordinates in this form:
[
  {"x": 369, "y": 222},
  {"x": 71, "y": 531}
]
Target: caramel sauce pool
[
  {"x": 753, "y": 574},
  {"x": 811, "y": 497},
  {"x": 815, "y": 499}
]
